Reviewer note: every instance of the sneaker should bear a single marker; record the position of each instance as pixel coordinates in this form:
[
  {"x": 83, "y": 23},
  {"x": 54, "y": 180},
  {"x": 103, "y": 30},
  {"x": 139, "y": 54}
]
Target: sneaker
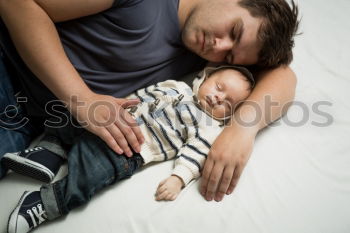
[
  {"x": 38, "y": 163},
  {"x": 28, "y": 214}
]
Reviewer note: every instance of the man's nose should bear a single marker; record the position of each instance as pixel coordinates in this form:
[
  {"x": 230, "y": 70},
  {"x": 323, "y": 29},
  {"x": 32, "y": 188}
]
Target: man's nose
[{"x": 223, "y": 44}]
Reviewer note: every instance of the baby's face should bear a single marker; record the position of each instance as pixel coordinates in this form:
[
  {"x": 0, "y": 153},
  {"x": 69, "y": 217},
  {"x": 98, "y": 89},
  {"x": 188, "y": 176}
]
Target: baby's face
[{"x": 220, "y": 93}]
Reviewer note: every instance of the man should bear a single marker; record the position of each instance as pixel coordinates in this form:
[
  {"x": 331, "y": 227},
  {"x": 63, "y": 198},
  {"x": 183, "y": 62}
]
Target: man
[{"x": 103, "y": 49}]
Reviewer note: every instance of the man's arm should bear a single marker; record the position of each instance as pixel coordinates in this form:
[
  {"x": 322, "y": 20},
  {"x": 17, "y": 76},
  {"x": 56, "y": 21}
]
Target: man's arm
[
  {"x": 231, "y": 150},
  {"x": 31, "y": 26}
]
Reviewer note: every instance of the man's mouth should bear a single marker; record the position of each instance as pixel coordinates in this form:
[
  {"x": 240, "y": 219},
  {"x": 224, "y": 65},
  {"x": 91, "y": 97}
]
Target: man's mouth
[{"x": 207, "y": 43}]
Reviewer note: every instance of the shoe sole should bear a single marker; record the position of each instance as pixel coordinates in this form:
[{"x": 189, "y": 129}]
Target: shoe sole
[
  {"x": 28, "y": 167},
  {"x": 12, "y": 222}
]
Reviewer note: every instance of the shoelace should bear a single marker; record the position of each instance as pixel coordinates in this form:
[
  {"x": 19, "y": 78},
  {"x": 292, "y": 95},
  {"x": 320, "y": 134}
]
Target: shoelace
[{"x": 39, "y": 213}]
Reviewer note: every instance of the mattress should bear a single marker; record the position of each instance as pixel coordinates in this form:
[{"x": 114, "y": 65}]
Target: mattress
[{"x": 298, "y": 176}]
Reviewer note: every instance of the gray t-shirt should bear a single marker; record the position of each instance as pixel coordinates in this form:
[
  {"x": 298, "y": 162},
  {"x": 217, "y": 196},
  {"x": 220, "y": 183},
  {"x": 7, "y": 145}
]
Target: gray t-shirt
[{"x": 133, "y": 44}]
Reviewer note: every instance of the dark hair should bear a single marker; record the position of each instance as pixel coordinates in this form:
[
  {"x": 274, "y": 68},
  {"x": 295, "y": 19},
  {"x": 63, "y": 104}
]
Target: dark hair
[
  {"x": 276, "y": 34},
  {"x": 246, "y": 74}
]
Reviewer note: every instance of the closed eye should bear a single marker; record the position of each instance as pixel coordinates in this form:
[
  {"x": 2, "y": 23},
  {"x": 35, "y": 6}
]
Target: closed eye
[{"x": 233, "y": 34}]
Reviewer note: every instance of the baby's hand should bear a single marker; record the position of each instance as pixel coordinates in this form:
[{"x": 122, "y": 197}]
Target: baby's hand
[{"x": 169, "y": 188}]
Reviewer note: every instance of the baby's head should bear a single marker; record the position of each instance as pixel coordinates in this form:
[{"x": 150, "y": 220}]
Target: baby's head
[{"x": 220, "y": 89}]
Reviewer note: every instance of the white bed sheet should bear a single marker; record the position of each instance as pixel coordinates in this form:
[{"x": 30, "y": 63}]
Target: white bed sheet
[{"x": 297, "y": 180}]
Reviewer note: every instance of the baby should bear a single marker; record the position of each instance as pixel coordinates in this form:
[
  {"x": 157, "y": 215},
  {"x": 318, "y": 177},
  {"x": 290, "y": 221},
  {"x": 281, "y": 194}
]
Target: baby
[{"x": 176, "y": 123}]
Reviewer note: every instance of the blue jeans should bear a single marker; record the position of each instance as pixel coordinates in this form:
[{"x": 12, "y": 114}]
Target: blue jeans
[
  {"x": 16, "y": 131},
  {"x": 92, "y": 166}
]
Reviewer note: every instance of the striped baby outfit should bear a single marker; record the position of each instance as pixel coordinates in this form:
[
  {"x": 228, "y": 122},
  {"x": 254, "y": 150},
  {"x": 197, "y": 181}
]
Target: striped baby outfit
[{"x": 174, "y": 126}]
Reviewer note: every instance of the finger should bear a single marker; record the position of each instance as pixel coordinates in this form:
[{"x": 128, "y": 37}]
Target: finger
[
  {"x": 130, "y": 120},
  {"x": 130, "y": 129},
  {"x": 160, "y": 190},
  {"x": 162, "y": 196},
  {"x": 236, "y": 175},
  {"x": 133, "y": 126},
  {"x": 214, "y": 179},
  {"x": 162, "y": 182},
  {"x": 224, "y": 183},
  {"x": 127, "y": 102},
  {"x": 119, "y": 139},
  {"x": 208, "y": 166},
  {"x": 169, "y": 197},
  {"x": 108, "y": 139},
  {"x": 174, "y": 197},
  {"x": 128, "y": 136}
]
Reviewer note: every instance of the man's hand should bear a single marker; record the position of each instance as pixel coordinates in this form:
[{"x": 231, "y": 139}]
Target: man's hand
[
  {"x": 106, "y": 117},
  {"x": 226, "y": 161}
]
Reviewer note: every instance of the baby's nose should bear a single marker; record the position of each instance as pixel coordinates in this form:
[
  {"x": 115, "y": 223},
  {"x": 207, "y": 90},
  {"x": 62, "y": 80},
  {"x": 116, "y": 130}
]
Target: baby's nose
[
  {"x": 216, "y": 100},
  {"x": 219, "y": 99}
]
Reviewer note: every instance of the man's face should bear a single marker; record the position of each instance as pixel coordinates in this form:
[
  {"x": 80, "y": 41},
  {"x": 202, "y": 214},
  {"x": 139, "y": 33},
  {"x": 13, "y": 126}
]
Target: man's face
[
  {"x": 222, "y": 31},
  {"x": 220, "y": 93}
]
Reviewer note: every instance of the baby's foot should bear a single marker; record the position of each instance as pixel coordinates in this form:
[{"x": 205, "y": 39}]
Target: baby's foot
[
  {"x": 38, "y": 163},
  {"x": 169, "y": 189},
  {"x": 28, "y": 214}
]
